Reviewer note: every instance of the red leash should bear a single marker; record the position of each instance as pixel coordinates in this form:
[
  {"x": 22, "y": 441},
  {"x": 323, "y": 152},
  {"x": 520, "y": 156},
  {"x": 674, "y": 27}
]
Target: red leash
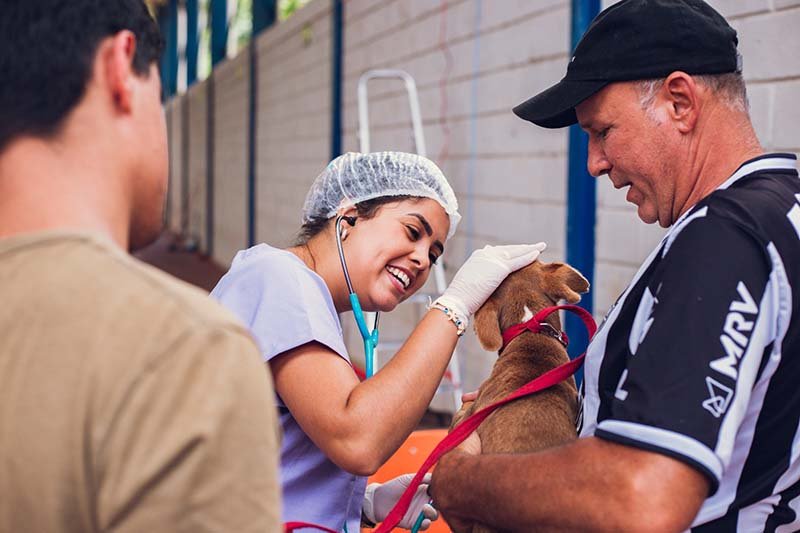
[
  {"x": 288, "y": 527},
  {"x": 463, "y": 430}
]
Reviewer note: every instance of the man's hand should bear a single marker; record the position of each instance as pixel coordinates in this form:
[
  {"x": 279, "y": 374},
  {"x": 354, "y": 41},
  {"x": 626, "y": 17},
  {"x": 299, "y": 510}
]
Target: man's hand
[
  {"x": 466, "y": 403},
  {"x": 469, "y": 396}
]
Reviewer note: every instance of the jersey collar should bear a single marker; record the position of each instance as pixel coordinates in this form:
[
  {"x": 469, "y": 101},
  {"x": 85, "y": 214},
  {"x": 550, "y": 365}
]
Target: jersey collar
[{"x": 776, "y": 161}]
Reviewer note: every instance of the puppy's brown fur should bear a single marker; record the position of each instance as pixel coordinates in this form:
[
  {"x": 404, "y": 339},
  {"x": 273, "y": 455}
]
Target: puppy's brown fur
[{"x": 546, "y": 418}]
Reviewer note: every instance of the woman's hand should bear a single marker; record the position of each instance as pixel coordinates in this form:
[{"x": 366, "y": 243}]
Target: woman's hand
[
  {"x": 380, "y": 498},
  {"x": 483, "y": 272}
]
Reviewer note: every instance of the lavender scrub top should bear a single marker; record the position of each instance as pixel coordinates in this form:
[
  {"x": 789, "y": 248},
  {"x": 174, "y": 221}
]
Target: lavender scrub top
[{"x": 285, "y": 304}]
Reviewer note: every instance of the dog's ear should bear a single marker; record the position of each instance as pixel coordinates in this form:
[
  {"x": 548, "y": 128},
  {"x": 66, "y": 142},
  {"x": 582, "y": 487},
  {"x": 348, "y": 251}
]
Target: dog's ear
[
  {"x": 487, "y": 326},
  {"x": 562, "y": 282}
]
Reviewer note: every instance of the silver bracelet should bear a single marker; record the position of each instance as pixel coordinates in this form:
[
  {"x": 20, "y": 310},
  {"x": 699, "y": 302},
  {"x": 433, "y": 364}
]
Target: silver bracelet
[{"x": 461, "y": 324}]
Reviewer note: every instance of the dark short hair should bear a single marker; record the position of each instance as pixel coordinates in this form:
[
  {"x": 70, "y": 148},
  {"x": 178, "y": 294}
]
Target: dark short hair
[
  {"x": 366, "y": 210},
  {"x": 47, "y": 50}
]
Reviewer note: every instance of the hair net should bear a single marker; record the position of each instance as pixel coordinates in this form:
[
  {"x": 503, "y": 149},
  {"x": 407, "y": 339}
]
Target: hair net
[{"x": 354, "y": 177}]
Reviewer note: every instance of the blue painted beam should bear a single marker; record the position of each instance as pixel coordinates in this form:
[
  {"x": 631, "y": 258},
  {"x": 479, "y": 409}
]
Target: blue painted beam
[
  {"x": 264, "y": 15},
  {"x": 581, "y": 196},
  {"x": 218, "y": 20},
  {"x": 192, "y": 42},
  {"x": 337, "y": 59},
  {"x": 168, "y": 24},
  {"x": 219, "y": 30}
]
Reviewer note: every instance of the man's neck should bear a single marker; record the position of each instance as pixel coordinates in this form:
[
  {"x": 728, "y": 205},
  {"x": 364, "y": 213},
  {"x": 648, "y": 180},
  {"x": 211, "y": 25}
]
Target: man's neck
[
  {"x": 45, "y": 186},
  {"x": 727, "y": 142}
]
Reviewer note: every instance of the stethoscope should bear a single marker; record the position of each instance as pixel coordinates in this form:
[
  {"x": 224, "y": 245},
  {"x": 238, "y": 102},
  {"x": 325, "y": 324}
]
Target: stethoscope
[{"x": 370, "y": 337}]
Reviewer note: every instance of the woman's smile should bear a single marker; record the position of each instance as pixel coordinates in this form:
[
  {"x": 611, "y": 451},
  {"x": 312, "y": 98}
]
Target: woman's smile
[{"x": 400, "y": 277}]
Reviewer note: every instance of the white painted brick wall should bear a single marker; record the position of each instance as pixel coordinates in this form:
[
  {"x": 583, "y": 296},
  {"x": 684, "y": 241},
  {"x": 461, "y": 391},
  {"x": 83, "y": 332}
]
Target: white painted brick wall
[
  {"x": 198, "y": 117},
  {"x": 231, "y": 95},
  {"x": 294, "y": 118},
  {"x": 172, "y": 111}
]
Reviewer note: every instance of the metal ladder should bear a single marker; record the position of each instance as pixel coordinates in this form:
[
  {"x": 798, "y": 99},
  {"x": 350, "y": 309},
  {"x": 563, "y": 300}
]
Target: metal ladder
[{"x": 452, "y": 382}]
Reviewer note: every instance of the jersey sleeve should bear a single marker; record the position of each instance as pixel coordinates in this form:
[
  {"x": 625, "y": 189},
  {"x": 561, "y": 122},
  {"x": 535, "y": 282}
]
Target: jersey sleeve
[
  {"x": 698, "y": 344},
  {"x": 194, "y": 445}
]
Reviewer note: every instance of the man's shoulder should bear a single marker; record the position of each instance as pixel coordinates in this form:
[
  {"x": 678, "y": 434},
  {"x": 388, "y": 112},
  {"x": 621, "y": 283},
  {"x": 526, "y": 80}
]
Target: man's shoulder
[
  {"x": 758, "y": 192},
  {"x": 90, "y": 273}
]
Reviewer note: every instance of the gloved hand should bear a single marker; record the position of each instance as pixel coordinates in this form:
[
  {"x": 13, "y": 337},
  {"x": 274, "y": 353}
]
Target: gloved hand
[
  {"x": 380, "y": 498},
  {"x": 483, "y": 272}
]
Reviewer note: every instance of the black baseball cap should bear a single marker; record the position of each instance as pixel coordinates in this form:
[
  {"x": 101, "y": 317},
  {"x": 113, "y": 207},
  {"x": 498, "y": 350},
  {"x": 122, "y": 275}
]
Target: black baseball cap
[{"x": 637, "y": 40}]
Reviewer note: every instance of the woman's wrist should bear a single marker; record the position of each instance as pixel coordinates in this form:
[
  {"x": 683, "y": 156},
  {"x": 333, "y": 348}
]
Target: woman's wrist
[{"x": 458, "y": 320}]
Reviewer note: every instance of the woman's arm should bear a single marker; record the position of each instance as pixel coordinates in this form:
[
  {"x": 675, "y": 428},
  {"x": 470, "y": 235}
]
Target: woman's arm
[{"x": 358, "y": 425}]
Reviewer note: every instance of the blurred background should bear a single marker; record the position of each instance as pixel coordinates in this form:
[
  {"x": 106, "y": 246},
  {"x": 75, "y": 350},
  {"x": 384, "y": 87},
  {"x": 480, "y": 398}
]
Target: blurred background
[{"x": 261, "y": 94}]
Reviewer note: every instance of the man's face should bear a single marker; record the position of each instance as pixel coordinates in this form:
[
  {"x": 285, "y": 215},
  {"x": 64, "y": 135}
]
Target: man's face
[
  {"x": 634, "y": 147},
  {"x": 151, "y": 164}
]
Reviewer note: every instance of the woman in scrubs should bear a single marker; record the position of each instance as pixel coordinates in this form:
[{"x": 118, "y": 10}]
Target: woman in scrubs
[{"x": 391, "y": 214}]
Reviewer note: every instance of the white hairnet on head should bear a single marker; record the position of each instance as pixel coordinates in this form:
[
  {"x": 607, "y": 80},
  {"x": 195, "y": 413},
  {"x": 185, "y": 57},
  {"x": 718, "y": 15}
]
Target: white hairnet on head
[{"x": 353, "y": 177}]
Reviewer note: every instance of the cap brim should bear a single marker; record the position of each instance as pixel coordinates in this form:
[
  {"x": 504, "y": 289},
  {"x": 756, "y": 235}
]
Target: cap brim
[{"x": 555, "y": 107}]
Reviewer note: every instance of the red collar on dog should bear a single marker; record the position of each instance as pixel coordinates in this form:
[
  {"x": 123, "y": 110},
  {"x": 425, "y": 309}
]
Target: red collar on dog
[{"x": 538, "y": 325}]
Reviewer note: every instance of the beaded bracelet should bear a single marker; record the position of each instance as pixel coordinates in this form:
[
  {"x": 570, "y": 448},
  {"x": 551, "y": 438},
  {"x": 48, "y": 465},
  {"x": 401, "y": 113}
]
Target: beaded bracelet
[{"x": 461, "y": 324}]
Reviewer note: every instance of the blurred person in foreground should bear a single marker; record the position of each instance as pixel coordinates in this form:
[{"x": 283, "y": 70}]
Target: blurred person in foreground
[
  {"x": 690, "y": 412},
  {"x": 128, "y": 400}
]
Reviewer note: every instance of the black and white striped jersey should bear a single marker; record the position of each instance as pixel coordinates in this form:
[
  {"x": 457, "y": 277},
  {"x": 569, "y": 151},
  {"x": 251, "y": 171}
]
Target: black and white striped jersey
[{"x": 699, "y": 359}]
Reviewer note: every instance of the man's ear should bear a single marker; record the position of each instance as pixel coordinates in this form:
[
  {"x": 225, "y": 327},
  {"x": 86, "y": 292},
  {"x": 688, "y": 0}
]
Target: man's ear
[
  {"x": 562, "y": 282},
  {"x": 682, "y": 95},
  {"x": 487, "y": 326},
  {"x": 115, "y": 57}
]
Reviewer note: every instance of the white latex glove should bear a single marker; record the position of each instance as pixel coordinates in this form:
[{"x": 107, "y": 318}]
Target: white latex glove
[
  {"x": 380, "y": 498},
  {"x": 483, "y": 272}
]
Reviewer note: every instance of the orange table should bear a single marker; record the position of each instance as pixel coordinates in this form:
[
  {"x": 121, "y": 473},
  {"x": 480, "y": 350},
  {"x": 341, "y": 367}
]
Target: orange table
[{"x": 408, "y": 459}]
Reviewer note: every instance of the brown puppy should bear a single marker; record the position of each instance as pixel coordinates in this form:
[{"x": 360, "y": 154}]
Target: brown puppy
[{"x": 546, "y": 418}]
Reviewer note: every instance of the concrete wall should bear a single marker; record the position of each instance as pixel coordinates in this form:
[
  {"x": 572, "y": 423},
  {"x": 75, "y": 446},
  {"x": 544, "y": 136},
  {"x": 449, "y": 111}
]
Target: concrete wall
[
  {"x": 231, "y": 104},
  {"x": 471, "y": 67},
  {"x": 175, "y": 200},
  {"x": 197, "y": 100},
  {"x": 294, "y": 114}
]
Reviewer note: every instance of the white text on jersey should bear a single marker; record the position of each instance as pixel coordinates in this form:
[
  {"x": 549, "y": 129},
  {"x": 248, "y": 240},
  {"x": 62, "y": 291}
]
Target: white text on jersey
[{"x": 735, "y": 333}]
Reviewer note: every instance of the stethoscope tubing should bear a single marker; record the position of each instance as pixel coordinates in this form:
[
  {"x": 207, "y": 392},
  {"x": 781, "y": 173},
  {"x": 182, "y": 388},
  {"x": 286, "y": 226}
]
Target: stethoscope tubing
[{"x": 370, "y": 338}]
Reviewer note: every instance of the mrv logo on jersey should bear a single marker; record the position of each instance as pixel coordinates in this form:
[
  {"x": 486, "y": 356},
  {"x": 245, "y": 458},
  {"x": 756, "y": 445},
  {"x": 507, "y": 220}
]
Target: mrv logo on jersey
[
  {"x": 719, "y": 397},
  {"x": 736, "y": 332}
]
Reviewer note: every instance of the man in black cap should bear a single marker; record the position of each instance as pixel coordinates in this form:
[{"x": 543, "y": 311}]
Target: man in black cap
[{"x": 690, "y": 416}]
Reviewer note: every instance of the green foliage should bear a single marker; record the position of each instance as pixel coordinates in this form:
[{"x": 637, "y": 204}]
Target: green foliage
[{"x": 287, "y": 7}]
